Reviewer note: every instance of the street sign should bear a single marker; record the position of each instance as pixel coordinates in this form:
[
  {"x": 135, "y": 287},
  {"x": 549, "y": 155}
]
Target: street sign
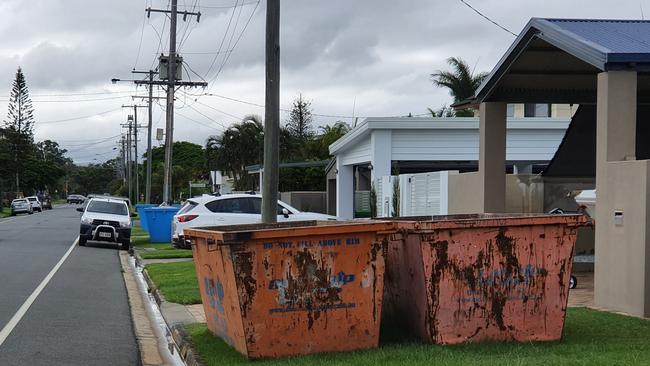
[{"x": 198, "y": 185}]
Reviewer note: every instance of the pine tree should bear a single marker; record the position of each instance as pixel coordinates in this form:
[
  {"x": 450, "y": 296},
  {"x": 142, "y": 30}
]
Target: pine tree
[
  {"x": 19, "y": 125},
  {"x": 300, "y": 120}
]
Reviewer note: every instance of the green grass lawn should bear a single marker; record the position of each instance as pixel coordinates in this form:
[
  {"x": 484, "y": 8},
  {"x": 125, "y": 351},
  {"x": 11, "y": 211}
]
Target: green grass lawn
[
  {"x": 166, "y": 253},
  {"x": 5, "y": 212},
  {"x": 590, "y": 338},
  {"x": 176, "y": 281},
  {"x": 140, "y": 240}
]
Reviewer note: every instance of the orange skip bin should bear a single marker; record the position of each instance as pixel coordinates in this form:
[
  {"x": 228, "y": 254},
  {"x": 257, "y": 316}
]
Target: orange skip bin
[
  {"x": 469, "y": 278},
  {"x": 291, "y": 289}
]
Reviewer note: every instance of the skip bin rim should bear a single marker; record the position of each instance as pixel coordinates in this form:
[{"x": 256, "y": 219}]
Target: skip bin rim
[
  {"x": 488, "y": 220},
  {"x": 237, "y": 237}
]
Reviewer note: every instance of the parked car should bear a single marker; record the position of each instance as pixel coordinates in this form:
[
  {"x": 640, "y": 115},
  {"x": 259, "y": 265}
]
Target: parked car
[
  {"x": 21, "y": 205},
  {"x": 125, "y": 199},
  {"x": 75, "y": 198},
  {"x": 105, "y": 219},
  {"x": 46, "y": 203},
  {"x": 232, "y": 209},
  {"x": 36, "y": 203}
]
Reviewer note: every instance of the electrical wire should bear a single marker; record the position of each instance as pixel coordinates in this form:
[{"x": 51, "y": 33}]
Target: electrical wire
[
  {"x": 223, "y": 39},
  {"x": 487, "y": 18},
  {"x": 78, "y": 118},
  {"x": 144, "y": 21},
  {"x": 235, "y": 45}
]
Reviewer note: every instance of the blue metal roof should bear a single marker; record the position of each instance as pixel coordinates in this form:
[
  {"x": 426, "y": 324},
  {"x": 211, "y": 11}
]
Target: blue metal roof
[{"x": 603, "y": 43}]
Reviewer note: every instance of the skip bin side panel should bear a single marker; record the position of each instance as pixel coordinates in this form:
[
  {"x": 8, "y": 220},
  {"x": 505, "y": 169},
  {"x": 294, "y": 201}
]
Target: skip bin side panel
[
  {"x": 499, "y": 283},
  {"x": 310, "y": 294},
  {"x": 218, "y": 289}
]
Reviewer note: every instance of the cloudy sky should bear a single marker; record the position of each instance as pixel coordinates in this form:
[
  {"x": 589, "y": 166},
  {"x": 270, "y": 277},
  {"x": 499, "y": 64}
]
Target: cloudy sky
[{"x": 350, "y": 58}]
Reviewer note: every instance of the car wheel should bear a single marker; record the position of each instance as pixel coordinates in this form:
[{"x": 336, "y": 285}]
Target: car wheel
[
  {"x": 82, "y": 242},
  {"x": 31, "y": 212},
  {"x": 125, "y": 244}
]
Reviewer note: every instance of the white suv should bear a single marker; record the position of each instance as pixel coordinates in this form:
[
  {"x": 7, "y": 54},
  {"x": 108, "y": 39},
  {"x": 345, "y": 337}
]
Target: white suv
[
  {"x": 231, "y": 209},
  {"x": 105, "y": 219}
]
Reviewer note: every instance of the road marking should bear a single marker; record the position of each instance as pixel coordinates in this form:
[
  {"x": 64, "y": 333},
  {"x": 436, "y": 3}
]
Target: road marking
[{"x": 6, "y": 331}]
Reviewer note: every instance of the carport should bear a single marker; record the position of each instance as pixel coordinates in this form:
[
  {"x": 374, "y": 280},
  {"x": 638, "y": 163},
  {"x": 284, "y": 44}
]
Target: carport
[{"x": 595, "y": 63}]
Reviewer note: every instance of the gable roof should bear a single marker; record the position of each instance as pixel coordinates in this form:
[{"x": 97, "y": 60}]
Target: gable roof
[{"x": 603, "y": 44}]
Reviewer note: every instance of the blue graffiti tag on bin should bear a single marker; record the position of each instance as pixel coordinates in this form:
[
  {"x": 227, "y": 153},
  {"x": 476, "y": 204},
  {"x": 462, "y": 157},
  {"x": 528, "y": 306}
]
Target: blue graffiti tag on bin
[
  {"x": 215, "y": 293},
  {"x": 341, "y": 279}
]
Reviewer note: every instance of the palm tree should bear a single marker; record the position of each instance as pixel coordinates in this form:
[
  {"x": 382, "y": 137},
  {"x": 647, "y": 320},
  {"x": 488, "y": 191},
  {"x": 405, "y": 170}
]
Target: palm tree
[
  {"x": 238, "y": 146},
  {"x": 461, "y": 82}
]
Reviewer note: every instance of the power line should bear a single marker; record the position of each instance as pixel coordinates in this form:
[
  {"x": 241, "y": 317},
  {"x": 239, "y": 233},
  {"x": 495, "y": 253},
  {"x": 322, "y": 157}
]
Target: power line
[
  {"x": 212, "y": 119},
  {"x": 235, "y": 45},
  {"x": 487, "y": 18},
  {"x": 223, "y": 39},
  {"x": 78, "y": 118},
  {"x": 144, "y": 21}
]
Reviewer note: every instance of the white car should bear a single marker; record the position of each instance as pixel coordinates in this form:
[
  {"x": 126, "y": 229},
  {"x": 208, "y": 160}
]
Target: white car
[
  {"x": 231, "y": 209},
  {"x": 105, "y": 219},
  {"x": 35, "y": 202}
]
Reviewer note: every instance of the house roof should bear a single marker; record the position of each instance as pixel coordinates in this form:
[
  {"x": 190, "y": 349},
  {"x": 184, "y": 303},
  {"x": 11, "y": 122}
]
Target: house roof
[{"x": 563, "y": 56}]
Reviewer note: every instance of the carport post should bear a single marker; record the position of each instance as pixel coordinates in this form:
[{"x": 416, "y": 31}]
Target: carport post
[
  {"x": 344, "y": 190},
  {"x": 492, "y": 157}
]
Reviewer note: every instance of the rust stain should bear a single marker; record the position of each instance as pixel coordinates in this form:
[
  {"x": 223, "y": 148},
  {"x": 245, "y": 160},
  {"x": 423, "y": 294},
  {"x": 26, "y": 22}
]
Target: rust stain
[{"x": 245, "y": 279}]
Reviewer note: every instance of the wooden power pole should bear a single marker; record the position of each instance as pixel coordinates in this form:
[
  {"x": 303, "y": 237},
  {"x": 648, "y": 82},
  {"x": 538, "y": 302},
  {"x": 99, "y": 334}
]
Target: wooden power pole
[{"x": 271, "y": 171}]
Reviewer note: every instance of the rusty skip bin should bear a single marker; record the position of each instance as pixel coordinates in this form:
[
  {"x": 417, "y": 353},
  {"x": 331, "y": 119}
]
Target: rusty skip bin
[
  {"x": 481, "y": 277},
  {"x": 291, "y": 289}
]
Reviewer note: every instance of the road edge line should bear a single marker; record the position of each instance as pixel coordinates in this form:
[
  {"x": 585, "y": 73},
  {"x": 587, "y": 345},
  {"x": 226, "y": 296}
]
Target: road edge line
[{"x": 22, "y": 310}]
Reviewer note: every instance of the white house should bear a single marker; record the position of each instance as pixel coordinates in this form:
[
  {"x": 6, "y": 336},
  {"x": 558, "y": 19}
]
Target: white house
[{"x": 379, "y": 146}]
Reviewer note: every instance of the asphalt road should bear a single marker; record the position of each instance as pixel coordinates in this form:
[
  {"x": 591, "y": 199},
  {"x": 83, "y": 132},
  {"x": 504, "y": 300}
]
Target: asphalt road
[{"x": 82, "y": 315}]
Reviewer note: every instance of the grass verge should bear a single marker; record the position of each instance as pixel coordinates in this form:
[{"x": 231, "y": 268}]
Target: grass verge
[
  {"x": 140, "y": 240},
  {"x": 176, "y": 281},
  {"x": 590, "y": 338},
  {"x": 166, "y": 253},
  {"x": 5, "y": 212}
]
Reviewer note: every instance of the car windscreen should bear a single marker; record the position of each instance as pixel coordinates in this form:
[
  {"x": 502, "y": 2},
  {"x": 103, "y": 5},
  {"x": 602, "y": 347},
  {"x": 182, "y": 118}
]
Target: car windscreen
[
  {"x": 113, "y": 208},
  {"x": 32, "y": 199},
  {"x": 187, "y": 207},
  {"x": 19, "y": 201}
]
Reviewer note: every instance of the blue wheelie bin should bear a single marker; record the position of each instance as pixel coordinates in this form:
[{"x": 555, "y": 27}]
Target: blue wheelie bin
[
  {"x": 142, "y": 215},
  {"x": 159, "y": 223}
]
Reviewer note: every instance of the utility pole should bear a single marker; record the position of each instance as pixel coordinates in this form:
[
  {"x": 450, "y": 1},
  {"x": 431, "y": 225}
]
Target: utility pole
[
  {"x": 150, "y": 84},
  {"x": 272, "y": 114},
  {"x": 171, "y": 82},
  {"x": 169, "y": 121},
  {"x": 123, "y": 167},
  {"x": 128, "y": 160},
  {"x": 136, "y": 126}
]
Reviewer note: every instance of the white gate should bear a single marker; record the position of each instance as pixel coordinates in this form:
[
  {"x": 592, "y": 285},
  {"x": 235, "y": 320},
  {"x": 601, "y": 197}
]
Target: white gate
[{"x": 421, "y": 194}]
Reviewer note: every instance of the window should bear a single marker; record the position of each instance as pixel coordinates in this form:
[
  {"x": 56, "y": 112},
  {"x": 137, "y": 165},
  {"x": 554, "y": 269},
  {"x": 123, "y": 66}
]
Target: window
[
  {"x": 510, "y": 110},
  {"x": 256, "y": 206},
  {"x": 231, "y": 205},
  {"x": 187, "y": 207},
  {"x": 113, "y": 208},
  {"x": 537, "y": 110}
]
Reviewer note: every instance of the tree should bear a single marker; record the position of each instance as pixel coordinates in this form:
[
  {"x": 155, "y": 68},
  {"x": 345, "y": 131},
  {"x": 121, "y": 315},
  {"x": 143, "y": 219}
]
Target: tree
[
  {"x": 19, "y": 125},
  {"x": 237, "y": 147},
  {"x": 461, "y": 82},
  {"x": 298, "y": 129},
  {"x": 188, "y": 164}
]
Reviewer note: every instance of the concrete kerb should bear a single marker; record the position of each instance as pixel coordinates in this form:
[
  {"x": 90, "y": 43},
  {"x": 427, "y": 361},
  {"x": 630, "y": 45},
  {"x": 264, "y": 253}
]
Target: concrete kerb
[
  {"x": 148, "y": 342},
  {"x": 175, "y": 316},
  {"x": 184, "y": 342}
]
